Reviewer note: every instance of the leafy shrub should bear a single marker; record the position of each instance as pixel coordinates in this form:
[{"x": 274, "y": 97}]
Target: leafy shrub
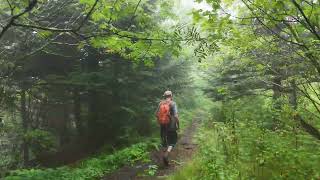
[{"x": 41, "y": 141}]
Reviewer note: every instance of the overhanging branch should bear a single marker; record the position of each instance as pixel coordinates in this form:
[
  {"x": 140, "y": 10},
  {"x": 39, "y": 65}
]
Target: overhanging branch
[{"x": 31, "y": 5}]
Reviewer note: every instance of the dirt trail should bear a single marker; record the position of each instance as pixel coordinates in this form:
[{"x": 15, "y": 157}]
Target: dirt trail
[{"x": 179, "y": 156}]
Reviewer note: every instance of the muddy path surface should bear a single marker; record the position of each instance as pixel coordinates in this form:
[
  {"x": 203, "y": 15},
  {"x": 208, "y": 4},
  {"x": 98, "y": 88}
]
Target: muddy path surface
[{"x": 155, "y": 169}]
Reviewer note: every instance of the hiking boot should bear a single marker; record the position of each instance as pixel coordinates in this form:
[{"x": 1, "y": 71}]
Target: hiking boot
[{"x": 165, "y": 158}]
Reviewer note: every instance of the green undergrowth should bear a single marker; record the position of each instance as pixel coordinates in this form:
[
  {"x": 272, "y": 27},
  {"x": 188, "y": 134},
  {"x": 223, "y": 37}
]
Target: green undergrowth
[
  {"x": 96, "y": 167},
  {"x": 241, "y": 147},
  {"x": 251, "y": 154},
  {"x": 91, "y": 168}
]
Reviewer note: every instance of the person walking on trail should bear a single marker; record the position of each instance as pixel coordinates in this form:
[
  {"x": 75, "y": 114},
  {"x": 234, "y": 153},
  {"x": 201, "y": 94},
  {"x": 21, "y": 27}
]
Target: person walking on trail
[{"x": 167, "y": 116}]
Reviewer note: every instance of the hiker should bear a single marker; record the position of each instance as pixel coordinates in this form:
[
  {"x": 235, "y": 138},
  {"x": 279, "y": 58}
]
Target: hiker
[{"x": 167, "y": 116}]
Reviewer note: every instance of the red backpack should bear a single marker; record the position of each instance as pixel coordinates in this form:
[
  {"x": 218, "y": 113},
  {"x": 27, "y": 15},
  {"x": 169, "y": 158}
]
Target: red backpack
[{"x": 164, "y": 112}]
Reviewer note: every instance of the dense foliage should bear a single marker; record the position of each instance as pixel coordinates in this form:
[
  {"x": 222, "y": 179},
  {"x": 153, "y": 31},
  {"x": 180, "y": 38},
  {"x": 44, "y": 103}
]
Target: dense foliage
[
  {"x": 76, "y": 75},
  {"x": 79, "y": 75},
  {"x": 264, "y": 79},
  {"x": 238, "y": 144}
]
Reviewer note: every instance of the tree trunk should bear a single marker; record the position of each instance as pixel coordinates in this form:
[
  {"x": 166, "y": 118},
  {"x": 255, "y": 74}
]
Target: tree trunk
[
  {"x": 25, "y": 125},
  {"x": 276, "y": 100},
  {"x": 297, "y": 117},
  {"x": 93, "y": 102},
  {"x": 77, "y": 112},
  {"x": 293, "y": 95},
  {"x": 64, "y": 138},
  {"x": 276, "y": 92},
  {"x": 93, "y": 115}
]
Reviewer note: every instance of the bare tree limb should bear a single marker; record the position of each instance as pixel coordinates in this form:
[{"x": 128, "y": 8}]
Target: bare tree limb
[
  {"x": 312, "y": 27},
  {"x": 42, "y": 27},
  {"x": 11, "y": 7},
  {"x": 314, "y": 103},
  {"x": 87, "y": 16},
  {"x": 31, "y": 5},
  {"x": 314, "y": 132},
  {"x": 134, "y": 13},
  {"x": 52, "y": 29}
]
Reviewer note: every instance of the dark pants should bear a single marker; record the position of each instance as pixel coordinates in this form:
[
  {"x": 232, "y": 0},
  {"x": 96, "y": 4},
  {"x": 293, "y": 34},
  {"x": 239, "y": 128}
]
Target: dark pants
[{"x": 168, "y": 137}]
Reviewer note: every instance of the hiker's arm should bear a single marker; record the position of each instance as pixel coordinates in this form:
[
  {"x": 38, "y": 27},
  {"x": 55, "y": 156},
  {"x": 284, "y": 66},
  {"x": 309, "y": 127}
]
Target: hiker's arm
[
  {"x": 175, "y": 111},
  {"x": 177, "y": 118}
]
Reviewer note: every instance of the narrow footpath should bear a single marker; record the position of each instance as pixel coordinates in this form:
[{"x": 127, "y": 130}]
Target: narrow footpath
[{"x": 178, "y": 157}]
